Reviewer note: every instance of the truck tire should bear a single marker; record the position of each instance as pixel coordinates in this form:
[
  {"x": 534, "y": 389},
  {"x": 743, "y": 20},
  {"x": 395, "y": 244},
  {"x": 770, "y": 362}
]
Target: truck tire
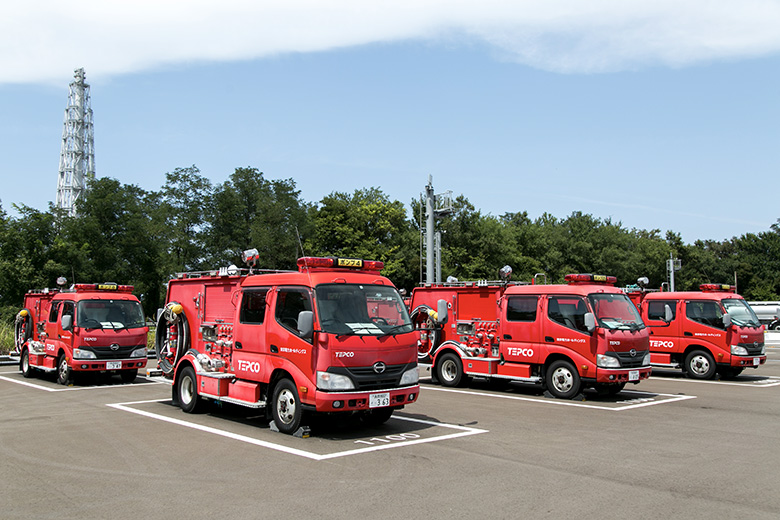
[
  {"x": 187, "y": 391},
  {"x": 24, "y": 364},
  {"x": 449, "y": 370},
  {"x": 64, "y": 374},
  {"x": 562, "y": 379},
  {"x": 700, "y": 365},
  {"x": 286, "y": 406},
  {"x": 377, "y": 416},
  {"x": 128, "y": 376}
]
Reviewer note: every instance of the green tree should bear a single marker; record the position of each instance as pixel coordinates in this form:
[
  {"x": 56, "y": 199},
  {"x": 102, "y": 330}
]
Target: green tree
[{"x": 249, "y": 211}]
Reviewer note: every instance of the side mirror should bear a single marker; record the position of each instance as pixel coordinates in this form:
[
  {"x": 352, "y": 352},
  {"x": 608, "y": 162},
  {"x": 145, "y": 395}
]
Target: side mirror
[
  {"x": 726, "y": 320},
  {"x": 67, "y": 322},
  {"x": 441, "y": 311},
  {"x": 668, "y": 314},
  {"x": 590, "y": 321},
  {"x": 306, "y": 324}
]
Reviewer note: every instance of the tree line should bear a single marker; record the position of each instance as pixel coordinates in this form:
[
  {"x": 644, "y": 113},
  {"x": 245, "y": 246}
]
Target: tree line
[{"x": 128, "y": 235}]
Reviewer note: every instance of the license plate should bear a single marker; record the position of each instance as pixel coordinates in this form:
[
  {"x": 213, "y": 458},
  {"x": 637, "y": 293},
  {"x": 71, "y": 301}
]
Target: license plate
[
  {"x": 113, "y": 365},
  {"x": 379, "y": 400},
  {"x": 633, "y": 375},
  {"x": 756, "y": 361}
]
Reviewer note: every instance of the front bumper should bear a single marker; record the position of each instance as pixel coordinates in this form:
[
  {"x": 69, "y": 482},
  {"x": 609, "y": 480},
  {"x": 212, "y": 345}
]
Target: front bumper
[
  {"x": 622, "y": 375},
  {"x": 100, "y": 365},
  {"x": 354, "y": 401}
]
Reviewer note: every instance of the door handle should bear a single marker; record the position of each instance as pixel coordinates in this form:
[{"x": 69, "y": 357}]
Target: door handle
[
  {"x": 239, "y": 346},
  {"x": 548, "y": 339},
  {"x": 507, "y": 336},
  {"x": 274, "y": 349},
  {"x": 688, "y": 333}
]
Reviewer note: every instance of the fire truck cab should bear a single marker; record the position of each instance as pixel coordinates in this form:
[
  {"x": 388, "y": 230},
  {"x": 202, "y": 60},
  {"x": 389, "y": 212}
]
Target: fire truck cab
[
  {"x": 332, "y": 337},
  {"x": 95, "y": 327},
  {"x": 703, "y": 333},
  {"x": 566, "y": 337}
]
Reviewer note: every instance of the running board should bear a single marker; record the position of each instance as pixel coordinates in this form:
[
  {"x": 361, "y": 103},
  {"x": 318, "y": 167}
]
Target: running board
[
  {"x": 232, "y": 400},
  {"x": 665, "y": 365}
]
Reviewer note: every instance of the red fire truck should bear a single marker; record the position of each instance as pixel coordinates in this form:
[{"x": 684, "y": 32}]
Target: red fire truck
[
  {"x": 332, "y": 337},
  {"x": 713, "y": 330},
  {"x": 95, "y": 327},
  {"x": 566, "y": 337}
]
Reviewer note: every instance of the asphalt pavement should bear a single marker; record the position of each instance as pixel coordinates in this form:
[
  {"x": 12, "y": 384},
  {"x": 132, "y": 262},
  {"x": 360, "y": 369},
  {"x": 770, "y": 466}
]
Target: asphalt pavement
[{"x": 667, "y": 447}]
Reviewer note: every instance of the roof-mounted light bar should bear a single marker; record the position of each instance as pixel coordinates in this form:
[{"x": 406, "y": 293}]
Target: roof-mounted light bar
[
  {"x": 589, "y": 279},
  {"x": 313, "y": 262},
  {"x": 107, "y": 286},
  {"x": 717, "y": 287}
]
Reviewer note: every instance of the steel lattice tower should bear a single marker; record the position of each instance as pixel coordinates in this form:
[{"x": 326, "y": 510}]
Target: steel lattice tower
[{"x": 77, "y": 155}]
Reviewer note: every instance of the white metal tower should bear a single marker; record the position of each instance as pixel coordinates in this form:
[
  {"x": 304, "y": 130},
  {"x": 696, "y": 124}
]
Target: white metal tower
[{"x": 77, "y": 155}]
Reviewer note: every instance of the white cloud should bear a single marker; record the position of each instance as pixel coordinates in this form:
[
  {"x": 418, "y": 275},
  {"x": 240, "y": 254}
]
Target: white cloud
[{"x": 44, "y": 40}]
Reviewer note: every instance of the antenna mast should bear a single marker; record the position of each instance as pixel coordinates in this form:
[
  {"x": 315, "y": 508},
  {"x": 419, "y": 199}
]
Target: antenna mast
[{"x": 77, "y": 155}]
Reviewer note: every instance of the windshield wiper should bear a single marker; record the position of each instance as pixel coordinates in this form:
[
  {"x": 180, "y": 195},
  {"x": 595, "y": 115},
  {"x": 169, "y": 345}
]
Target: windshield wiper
[{"x": 392, "y": 331}]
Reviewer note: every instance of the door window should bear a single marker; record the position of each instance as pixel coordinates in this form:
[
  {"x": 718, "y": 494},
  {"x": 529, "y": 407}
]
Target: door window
[
  {"x": 253, "y": 306},
  {"x": 705, "y": 312},
  {"x": 521, "y": 308},
  {"x": 289, "y": 303},
  {"x": 569, "y": 311},
  {"x": 656, "y": 309}
]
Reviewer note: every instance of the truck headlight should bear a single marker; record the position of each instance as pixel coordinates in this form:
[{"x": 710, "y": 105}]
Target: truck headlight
[
  {"x": 410, "y": 377},
  {"x": 738, "y": 350},
  {"x": 763, "y": 349},
  {"x": 80, "y": 353},
  {"x": 607, "y": 361},
  {"x": 139, "y": 352},
  {"x": 646, "y": 360},
  {"x": 329, "y": 381}
]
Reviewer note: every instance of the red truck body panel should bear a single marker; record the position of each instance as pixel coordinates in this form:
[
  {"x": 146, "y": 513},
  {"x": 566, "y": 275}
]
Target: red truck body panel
[
  {"x": 107, "y": 332},
  {"x": 697, "y": 326},
  {"x": 516, "y": 332},
  {"x": 242, "y": 338}
]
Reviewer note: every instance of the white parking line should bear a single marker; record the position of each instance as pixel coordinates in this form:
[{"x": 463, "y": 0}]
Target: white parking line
[
  {"x": 642, "y": 399},
  {"x": 72, "y": 388},
  {"x": 764, "y": 383},
  {"x": 462, "y": 432}
]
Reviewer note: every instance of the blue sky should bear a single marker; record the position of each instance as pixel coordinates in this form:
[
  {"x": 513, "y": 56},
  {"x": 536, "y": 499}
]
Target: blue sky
[{"x": 655, "y": 116}]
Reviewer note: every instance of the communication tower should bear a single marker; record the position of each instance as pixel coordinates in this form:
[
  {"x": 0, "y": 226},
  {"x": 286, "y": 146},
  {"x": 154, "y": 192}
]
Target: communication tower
[
  {"x": 430, "y": 240},
  {"x": 77, "y": 155}
]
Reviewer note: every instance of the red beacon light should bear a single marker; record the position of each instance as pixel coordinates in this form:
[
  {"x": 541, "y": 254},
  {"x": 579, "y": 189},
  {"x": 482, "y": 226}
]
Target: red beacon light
[
  {"x": 717, "y": 287},
  {"x": 313, "y": 262},
  {"x": 589, "y": 279}
]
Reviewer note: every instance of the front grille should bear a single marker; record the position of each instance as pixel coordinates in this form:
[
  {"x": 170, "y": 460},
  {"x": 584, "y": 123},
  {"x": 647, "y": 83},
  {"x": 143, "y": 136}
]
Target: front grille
[
  {"x": 626, "y": 361},
  {"x": 366, "y": 378},
  {"x": 753, "y": 349},
  {"x": 107, "y": 353}
]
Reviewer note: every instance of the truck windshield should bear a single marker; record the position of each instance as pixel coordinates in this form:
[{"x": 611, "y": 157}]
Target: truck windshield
[
  {"x": 615, "y": 311},
  {"x": 741, "y": 313},
  {"x": 348, "y": 309},
  {"x": 109, "y": 314}
]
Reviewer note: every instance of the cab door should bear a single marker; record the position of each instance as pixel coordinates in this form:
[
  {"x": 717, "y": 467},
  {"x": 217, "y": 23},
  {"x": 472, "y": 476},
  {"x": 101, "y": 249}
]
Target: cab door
[
  {"x": 284, "y": 340},
  {"x": 565, "y": 330},
  {"x": 250, "y": 348},
  {"x": 67, "y": 337},
  {"x": 664, "y": 337}
]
